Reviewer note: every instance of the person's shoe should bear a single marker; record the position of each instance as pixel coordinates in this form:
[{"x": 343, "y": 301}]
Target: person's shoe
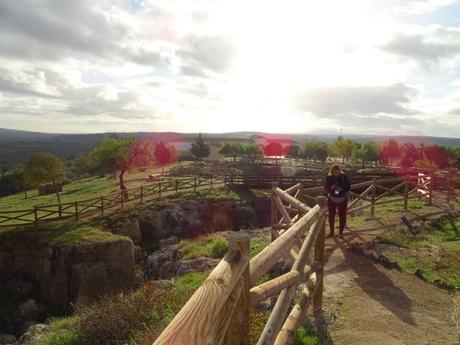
[
  {"x": 340, "y": 235},
  {"x": 330, "y": 235}
]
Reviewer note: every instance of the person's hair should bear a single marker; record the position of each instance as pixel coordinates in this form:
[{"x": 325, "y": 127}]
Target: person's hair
[{"x": 335, "y": 166}]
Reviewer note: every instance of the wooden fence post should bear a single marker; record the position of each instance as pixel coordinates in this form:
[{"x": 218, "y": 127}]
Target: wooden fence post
[
  {"x": 36, "y": 215},
  {"x": 430, "y": 189},
  {"x": 211, "y": 181},
  {"x": 373, "y": 198},
  {"x": 177, "y": 186},
  {"x": 159, "y": 190},
  {"x": 142, "y": 195},
  {"x": 121, "y": 198},
  {"x": 238, "y": 329},
  {"x": 319, "y": 257},
  {"x": 273, "y": 211},
  {"x": 76, "y": 212},
  {"x": 102, "y": 205},
  {"x": 406, "y": 191},
  {"x": 60, "y": 211},
  {"x": 194, "y": 184}
]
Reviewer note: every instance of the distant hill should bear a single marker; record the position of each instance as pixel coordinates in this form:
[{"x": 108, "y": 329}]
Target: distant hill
[{"x": 17, "y": 146}]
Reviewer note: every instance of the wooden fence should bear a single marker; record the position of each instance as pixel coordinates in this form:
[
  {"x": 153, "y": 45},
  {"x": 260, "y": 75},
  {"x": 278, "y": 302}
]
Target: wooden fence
[
  {"x": 101, "y": 204},
  {"x": 218, "y": 311}
]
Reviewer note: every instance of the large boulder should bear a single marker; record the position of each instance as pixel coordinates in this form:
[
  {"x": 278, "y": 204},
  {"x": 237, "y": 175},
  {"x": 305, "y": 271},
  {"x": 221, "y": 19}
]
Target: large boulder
[
  {"x": 71, "y": 273},
  {"x": 163, "y": 263},
  {"x": 245, "y": 218},
  {"x": 28, "y": 311},
  {"x": 128, "y": 228},
  {"x": 156, "y": 225}
]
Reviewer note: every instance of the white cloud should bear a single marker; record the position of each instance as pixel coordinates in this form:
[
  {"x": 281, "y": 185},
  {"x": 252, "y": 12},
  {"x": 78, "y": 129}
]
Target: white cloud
[{"x": 424, "y": 6}]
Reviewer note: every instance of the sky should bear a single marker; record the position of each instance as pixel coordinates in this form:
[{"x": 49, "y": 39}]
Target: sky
[{"x": 359, "y": 67}]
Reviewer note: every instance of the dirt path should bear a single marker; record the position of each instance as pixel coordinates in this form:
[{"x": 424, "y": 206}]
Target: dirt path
[{"x": 364, "y": 303}]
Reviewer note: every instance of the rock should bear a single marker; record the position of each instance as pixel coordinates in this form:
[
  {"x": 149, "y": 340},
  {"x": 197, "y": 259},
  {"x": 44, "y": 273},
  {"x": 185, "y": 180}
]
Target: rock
[
  {"x": 33, "y": 334},
  {"x": 169, "y": 242},
  {"x": 200, "y": 264},
  {"x": 163, "y": 263},
  {"x": 262, "y": 209},
  {"x": 245, "y": 218},
  {"x": 162, "y": 283},
  {"x": 128, "y": 228},
  {"x": 28, "y": 311},
  {"x": 73, "y": 272},
  {"x": 24, "y": 327},
  {"x": 19, "y": 288},
  {"x": 7, "y": 339},
  {"x": 138, "y": 254},
  {"x": 157, "y": 225}
]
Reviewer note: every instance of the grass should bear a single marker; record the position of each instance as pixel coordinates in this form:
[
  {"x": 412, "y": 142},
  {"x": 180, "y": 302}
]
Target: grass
[
  {"x": 135, "y": 318},
  {"x": 61, "y": 234},
  {"x": 212, "y": 245},
  {"x": 435, "y": 251}
]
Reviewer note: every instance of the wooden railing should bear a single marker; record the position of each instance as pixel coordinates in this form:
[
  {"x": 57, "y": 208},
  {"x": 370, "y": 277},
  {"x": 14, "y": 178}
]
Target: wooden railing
[
  {"x": 218, "y": 312},
  {"x": 101, "y": 204}
]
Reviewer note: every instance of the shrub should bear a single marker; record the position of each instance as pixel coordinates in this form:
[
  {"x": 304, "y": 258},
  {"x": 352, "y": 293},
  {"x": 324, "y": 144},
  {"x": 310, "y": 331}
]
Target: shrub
[
  {"x": 115, "y": 319},
  {"x": 219, "y": 247}
]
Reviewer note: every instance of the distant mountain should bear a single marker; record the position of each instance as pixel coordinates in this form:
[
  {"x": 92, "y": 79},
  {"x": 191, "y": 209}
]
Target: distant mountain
[{"x": 17, "y": 146}]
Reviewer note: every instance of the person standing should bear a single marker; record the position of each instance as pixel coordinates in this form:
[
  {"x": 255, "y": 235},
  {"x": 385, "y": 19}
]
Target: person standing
[{"x": 337, "y": 187}]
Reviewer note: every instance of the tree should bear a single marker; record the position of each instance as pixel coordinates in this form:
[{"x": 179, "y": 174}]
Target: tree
[
  {"x": 343, "y": 148},
  {"x": 199, "y": 148},
  {"x": 390, "y": 151},
  {"x": 437, "y": 156},
  {"x": 251, "y": 149},
  {"x": 120, "y": 155},
  {"x": 164, "y": 155},
  {"x": 320, "y": 151},
  {"x": 232, "y": 150},
  {"x": 295, "y": 151},
  {"x": 273, "y": 149},
  {"x": 45, "y": 168},
  {"x": 409, "y": 154}
]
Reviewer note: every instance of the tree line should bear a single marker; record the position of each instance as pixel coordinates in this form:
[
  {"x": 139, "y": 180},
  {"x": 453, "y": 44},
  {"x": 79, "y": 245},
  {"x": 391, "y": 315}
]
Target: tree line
[{"x": 118, "y": 155}]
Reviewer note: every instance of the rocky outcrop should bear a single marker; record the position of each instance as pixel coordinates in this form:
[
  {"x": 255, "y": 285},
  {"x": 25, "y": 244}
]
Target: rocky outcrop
[
  {"x": 191, "y": 218},
  {"x": 129, "y": 228},
  {"x": 167, "y": 262},
  {"x": 69, "y": 273}
]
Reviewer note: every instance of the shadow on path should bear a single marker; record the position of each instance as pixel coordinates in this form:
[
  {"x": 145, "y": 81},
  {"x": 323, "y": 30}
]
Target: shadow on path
[{"x": 369, "y": 278}]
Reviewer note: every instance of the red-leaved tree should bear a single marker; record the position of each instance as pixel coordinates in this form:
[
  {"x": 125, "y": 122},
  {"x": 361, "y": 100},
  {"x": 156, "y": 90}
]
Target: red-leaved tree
[
  {"x": 164, "y": 155},
  {"x": 273, "y": 149}
]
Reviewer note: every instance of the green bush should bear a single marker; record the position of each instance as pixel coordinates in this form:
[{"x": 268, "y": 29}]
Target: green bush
[
  {"x": 303, "y": 337},
  {"x": 114, "y": 320},
  {"x": 219, "y": 247}
]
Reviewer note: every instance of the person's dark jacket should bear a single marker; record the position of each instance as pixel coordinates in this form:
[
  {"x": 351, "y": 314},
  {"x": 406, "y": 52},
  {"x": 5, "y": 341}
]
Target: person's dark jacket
[{"x": 340, "y": 181}]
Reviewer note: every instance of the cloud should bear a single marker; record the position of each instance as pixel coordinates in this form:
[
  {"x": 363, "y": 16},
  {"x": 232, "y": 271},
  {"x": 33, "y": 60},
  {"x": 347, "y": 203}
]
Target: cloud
[
  {"x": 431, "y": 46},
  {"x": 25, "y": 82},
  {"x": 50, "y": 30},
  {"x": 335, "y": 102},
  {"x": 422, "y": 7},
  {"x": 211, "y": 53}
]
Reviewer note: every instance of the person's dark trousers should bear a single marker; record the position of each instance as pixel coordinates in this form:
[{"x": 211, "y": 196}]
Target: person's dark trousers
[{"x": 342, "y": 208}]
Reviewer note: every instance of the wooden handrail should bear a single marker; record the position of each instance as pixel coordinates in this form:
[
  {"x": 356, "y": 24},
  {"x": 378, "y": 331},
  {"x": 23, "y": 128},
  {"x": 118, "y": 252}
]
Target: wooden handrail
[{"x": 198, "y": 322}]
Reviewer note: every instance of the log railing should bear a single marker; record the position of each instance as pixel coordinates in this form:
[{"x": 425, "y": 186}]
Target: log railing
[{"x": 218, "y": 312}]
